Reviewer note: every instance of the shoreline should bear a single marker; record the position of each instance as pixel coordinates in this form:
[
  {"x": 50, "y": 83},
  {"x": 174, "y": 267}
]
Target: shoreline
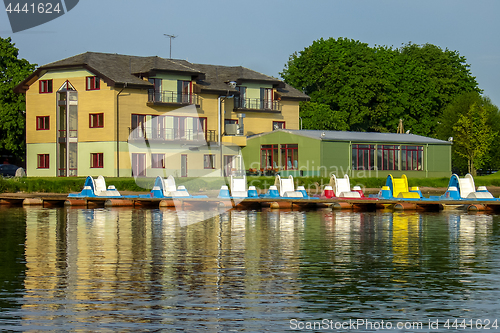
[{"x": 426, "y": 191}]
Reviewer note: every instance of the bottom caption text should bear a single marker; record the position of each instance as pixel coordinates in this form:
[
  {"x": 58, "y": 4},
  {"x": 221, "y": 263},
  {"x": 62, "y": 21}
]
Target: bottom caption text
[{"x": 366, "y": 324}]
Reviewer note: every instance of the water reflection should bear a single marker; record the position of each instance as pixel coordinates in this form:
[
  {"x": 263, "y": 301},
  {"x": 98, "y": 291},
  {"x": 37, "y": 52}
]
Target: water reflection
[{"x": 107, "y": 269}]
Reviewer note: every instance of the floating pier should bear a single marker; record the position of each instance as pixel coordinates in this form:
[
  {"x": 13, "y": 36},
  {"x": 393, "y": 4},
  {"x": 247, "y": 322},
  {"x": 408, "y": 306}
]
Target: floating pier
[{"x": 360, "y": 204}]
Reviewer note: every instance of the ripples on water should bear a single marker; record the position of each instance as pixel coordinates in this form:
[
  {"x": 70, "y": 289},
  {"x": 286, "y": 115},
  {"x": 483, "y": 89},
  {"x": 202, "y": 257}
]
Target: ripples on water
[{"x": 132, "y": 269}]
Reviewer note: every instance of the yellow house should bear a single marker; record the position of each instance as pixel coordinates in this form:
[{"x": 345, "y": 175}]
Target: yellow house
[{"x": 121, "y": 116}]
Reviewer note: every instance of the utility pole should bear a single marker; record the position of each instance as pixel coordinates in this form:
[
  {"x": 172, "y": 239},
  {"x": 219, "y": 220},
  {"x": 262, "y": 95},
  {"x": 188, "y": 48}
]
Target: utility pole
[{"x": 170, "y": 36}]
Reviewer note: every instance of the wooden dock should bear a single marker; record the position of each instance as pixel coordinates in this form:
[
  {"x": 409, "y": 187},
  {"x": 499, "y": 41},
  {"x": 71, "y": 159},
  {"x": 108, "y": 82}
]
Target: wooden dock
[{"x": 363, "y": 204}]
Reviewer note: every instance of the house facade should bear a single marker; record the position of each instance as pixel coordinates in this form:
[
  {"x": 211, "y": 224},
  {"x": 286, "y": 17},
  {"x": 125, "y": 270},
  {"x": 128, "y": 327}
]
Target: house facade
[
  {"x": 122, "y": 116},
  {"x": 357, "y": 154}
]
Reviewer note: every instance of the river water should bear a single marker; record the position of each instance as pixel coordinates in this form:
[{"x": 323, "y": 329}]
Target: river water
[{"x": 134, "y": 270}]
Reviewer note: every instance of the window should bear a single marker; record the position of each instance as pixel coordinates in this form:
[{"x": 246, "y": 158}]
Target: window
[
  {"x": 266, "y": 97},
  {"x": 388, "y": 157},
  {"x": 169, "y": 127},
  {"x": 229, "y": 165},
  {"x": 138, "y": 165},
  {"x": 209, "y": 161},
  {"x": 138, "y": 126},
  {"x": 184, "y": 128},
  {"x": 363, "y": 157},
  {"x": 158, "y": 161},
  {"x": 42, "y": 161},
  {"x": 42, "y": 123},
  {"x": 45, "y": 86},
  {"x": 201, "y": 128},
  {"x": 96, "y": 120},
  {"x": 268, "y": 157},
  {"x": 278, "y": 125},
  {"x": 412, "y": 158},
  {"x": 241, "y": 100},
  {"x": 184, "y": 89},
  {"x": 155, "y": 94},
  {"x": 289, "y": 156},
  {"x": 93, "y": 83},
  {"x": 96, "y": 160}
]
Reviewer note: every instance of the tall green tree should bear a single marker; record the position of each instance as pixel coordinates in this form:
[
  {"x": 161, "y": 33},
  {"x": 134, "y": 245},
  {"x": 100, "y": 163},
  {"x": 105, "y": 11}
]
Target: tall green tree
[
  {"x": 454, "y": 113},
  {"x": 373, "y": 87},
  {"x": 12, "y": 120},
  {"x": 343, "y": 75},
  {"x": 473, "y": 137},
  {"x": 430, "y": 79}
]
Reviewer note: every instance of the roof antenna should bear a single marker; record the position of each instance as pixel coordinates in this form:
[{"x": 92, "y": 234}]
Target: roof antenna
[{"x": 170, "y": 36}]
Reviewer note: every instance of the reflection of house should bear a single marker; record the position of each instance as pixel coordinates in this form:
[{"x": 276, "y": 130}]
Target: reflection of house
[
  {"x": 85, "y": 113},
  {"x": 358, "y": 154}
]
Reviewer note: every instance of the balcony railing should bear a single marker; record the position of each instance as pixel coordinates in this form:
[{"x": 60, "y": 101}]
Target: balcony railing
[
  {"x": 172, "y": 97},
  {"x": 256, "y": 104},
  {"x": 171, "y": 134},
  {"x": 72, "y": 133}
]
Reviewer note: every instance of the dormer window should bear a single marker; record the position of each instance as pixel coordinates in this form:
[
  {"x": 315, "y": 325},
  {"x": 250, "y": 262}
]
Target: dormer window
[{"x": 93, "y": 83}]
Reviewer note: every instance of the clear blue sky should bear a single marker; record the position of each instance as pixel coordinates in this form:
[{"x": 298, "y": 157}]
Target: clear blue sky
[{"x": 261, "y": 35}]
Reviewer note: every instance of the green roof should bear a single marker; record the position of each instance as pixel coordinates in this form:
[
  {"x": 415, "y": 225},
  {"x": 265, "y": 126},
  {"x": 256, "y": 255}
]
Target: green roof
[{"x": 360, "y": 137}]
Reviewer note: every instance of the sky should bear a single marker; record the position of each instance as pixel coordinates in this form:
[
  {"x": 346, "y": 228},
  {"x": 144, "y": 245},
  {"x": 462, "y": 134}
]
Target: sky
[{"x": 261, "y": 35}]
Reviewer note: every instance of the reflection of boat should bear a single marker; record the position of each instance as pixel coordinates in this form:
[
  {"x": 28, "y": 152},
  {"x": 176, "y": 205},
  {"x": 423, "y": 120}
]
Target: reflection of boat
[{"x": 405, "y": 237}]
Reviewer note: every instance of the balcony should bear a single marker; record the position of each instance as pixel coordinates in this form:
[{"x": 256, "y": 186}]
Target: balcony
[
  {"x": 257, "y": 105},
  {"x": 235, "y": 140},
  {"x": 171, "y": 135},
  {"x": 172, "y": 98}
]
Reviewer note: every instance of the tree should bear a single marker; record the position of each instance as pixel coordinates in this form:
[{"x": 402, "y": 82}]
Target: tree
[
  {"x": 320, "y": 117},
  {"x": 473, "y": 137},
  {"x": 455, "y": 112},
  {"x": 341, "y": 74},
  {"x": 12, "y": 105},
  {"x": 431, "y": 79},
  {"x": 373, "y": 87}
]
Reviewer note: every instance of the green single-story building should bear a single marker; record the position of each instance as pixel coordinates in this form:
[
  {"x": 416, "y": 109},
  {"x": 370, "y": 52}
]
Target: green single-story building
[{"x": 357, "y": 154}]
